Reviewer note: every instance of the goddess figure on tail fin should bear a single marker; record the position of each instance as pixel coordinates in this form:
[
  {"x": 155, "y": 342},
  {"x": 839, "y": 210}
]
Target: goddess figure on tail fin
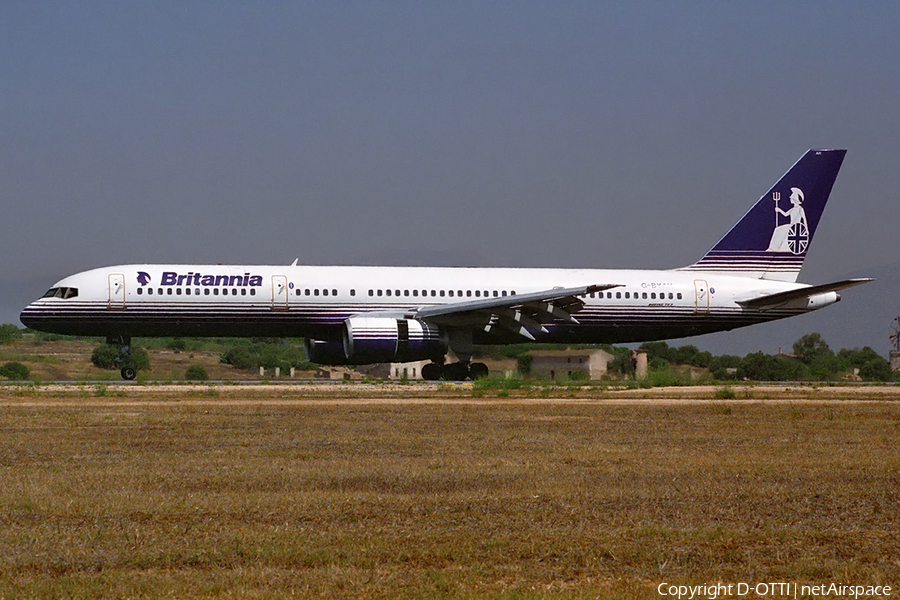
[{"x": 793, "y": 236}]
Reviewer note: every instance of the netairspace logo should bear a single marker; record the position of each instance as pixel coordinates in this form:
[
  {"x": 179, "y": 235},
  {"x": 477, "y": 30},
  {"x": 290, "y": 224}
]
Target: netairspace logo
[{"x": 779, "y": 589}]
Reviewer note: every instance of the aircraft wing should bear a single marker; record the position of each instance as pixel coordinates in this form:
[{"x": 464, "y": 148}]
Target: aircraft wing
[
  {"x": 519, "y": 313},
  {"x": 773, "y": 300}
]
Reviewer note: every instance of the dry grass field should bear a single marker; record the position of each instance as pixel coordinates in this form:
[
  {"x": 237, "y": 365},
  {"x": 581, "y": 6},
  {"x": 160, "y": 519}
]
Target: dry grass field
[{"x": 429, "y": 492}]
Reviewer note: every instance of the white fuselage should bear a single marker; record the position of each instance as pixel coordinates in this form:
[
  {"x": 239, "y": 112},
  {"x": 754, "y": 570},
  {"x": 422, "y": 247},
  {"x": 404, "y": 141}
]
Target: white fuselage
[{"x": 312, "y": 301}]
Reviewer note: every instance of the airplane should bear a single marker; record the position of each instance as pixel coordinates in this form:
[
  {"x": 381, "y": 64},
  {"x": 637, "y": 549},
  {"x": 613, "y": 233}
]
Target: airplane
[{"x": 361, "y": 315}]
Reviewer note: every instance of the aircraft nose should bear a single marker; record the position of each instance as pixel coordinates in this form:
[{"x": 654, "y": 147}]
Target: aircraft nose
[{"x": 30, "y": 316}]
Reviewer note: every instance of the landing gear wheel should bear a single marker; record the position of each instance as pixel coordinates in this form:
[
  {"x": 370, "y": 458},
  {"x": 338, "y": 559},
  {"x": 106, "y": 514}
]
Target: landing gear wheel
[
  {"x": 431, "y": 372},
  {"x": 478, "y": 370},
  {"x": 455, "y": 371},
  {"x": 129, "y": 373}
]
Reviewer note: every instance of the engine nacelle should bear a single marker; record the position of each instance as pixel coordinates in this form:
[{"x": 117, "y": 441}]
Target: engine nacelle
[
  {"x": 382, "y": 339},
  {"x": 325, "y": 352},
  {"x": 820, "y": 300}
]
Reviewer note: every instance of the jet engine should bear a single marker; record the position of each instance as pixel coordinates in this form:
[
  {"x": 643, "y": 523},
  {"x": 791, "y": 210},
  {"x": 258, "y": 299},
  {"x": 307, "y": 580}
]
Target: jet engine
[{"x": 382, "y": 339}]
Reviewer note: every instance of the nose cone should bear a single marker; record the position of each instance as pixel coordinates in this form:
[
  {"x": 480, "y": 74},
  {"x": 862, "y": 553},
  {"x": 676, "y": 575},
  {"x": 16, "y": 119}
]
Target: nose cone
[{"x": 29, "y": 317}]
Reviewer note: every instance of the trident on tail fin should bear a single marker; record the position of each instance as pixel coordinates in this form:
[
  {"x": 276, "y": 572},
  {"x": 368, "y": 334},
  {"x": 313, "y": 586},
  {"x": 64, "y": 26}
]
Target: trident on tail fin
[{"x": 771, "y": 240}]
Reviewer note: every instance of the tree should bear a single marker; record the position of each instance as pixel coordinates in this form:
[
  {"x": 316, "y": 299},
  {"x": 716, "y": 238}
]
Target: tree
[
  {"x": 811, "y": 347},
  {"x": 876, "y": 369},
  {"x": 760, "y": 366}
]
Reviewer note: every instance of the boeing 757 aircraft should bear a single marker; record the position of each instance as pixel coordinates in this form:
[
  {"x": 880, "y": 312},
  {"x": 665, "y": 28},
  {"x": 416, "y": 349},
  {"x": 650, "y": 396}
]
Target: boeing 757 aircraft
[{"x": 360, "y": 315}]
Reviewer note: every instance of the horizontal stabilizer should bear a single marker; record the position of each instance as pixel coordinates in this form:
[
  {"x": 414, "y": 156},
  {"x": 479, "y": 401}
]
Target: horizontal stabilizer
[{"x": 777, "y": 299}]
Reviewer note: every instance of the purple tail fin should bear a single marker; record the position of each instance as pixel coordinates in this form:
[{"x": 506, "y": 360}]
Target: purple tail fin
[{"x": 771, "y": 240}]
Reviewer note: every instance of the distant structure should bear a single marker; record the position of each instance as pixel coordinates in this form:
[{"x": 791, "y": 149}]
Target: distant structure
[
  {"x": 895, "y": 344},
  {"x": 411, "y": 371},
  {"x": 555, "y": 364}
]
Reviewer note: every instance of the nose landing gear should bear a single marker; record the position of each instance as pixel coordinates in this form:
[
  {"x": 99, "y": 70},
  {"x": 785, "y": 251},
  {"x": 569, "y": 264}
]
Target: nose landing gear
[{"x": 125, "y": 359}]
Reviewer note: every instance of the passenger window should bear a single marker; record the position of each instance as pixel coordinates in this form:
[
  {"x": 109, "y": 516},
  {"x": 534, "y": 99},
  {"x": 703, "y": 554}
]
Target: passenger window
[
  {"x": 416, "y": 293},
  {"x": 178, "y": 291},
  {"x": 334, "y": 292},
  {"x": 244, "y": 292},
  {"x": 442, "y": 293},
  {"x": 324, "y": 292},
  {"x": 679, "y": 295},
  {"x": 478, "y": 293},
  {"x": 315, "y": 292},
  {"x": 371, "y": 292},
  {"x": 653, "y": 295},
  {"x": 459, "y": 293},
  {"x": 468, "y": 293},
  {"x": 503, "y": 293},
  {"x": 387, "y": 292},
  {"x": 433, "y": 293},
  {"x": 644, "y": 295},
  {"x": 627, "y": 295},
  {"x": 215, "y": 291},
  {"x": 379, "y": 293},
  {"x": 352, "y": 292},
  {"x": 307, "y": 291},
  {"x": 253, "y": 292},
  {"x": 234, "y": 291}
]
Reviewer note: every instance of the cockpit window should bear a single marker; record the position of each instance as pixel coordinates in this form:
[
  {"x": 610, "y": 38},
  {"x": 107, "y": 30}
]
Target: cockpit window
[{"x": 61, "y": 292}]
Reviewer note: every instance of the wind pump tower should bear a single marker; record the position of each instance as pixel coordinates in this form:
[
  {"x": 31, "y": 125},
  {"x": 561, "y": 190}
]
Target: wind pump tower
[{"x": 895, "y": 344}]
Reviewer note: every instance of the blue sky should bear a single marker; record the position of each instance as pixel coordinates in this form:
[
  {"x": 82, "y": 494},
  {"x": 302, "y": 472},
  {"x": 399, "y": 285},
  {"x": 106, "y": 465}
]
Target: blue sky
[{"x": 580, "y": 134}]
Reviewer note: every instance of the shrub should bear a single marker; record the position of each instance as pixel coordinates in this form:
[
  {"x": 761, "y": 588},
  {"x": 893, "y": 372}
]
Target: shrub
[
  {"x": 104, "y": 356},
  {"x": 240, "y": 357},
  {"x": 196, "y": 373},
  {"x": 725, "y": 393},
  {"x": 267, "y": 354},
  {"x": 14, "y": 370},
  {"x": 9, "y": 333}
]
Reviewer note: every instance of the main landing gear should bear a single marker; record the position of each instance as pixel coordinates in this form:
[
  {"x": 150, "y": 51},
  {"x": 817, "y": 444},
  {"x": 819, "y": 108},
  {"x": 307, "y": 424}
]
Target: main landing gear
[
  {"x": 124, "y": 359},
  {"x": 458, "y": 371}
]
